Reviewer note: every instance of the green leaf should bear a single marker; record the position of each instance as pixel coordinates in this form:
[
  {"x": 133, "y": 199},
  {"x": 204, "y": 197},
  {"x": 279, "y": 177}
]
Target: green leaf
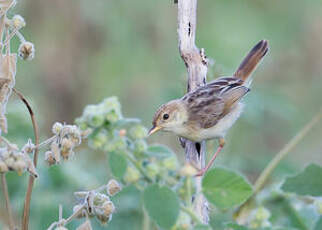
[
  {"x": 159, "y": 151},
  {"x": 118, "y": 164},
  {"x": 308, "y": 182},
  {"x": 225, "y": 188},
  {"x": 318, "y": 225},
  {"x": 234, "y": 226},
  {"x": 202, "y": 227},
  {"x": 126, "y": 122},
  {"x": 162, "y": 205}
]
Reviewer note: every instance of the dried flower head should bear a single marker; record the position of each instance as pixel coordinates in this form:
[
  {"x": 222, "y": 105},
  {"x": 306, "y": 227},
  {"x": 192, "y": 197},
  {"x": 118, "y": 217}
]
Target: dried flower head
[
  {"x": 26, "y": 51},
  {"x": 3, "y": 167},
  {"x": 57, "y": 127},
  {"x": 113, "y": 187},
  {"x": 18, "y": 22},
  {"x": 50, "y": 158}
]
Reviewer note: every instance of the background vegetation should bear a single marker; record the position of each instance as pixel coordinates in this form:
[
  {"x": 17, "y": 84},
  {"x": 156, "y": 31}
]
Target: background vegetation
[{"x": 86, "y": 51}]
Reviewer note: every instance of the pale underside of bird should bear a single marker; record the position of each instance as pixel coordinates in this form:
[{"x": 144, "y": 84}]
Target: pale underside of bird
[{"x": 209, "y": 111}]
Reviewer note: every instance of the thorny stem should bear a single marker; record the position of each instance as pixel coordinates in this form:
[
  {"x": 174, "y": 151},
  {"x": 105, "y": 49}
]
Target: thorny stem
[
  {"x": 264, "y": 176},
  {"x": 191, "y": 213},
  {"x": 6, "y": 195},
  {"x": 26, "y": 209}
]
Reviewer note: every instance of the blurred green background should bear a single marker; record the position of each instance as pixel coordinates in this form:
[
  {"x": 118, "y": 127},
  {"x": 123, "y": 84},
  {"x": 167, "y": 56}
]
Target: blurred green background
[{"x": 89, "y": 50}]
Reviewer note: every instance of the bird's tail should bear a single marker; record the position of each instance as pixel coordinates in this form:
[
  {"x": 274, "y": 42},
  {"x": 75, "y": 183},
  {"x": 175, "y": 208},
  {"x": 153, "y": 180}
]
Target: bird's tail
[{"x": 251, "y": 60}]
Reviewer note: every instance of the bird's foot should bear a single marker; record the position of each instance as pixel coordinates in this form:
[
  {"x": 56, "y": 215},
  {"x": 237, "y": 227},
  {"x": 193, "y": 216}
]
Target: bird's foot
[{"x": 201, "y": 172}]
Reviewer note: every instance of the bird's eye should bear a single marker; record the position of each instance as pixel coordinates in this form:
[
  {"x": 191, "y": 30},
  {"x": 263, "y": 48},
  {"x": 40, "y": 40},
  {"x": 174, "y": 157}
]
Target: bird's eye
[{"x": 165, "y": 116}]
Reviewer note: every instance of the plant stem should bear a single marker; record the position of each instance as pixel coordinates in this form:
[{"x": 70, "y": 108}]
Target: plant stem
[
  {"x": 64, "y": 222},
  {"x": 26, "y": 209},
  {"x": 6, "y": 195},
  {"x": 191, "y": 213},
  {"x": 260, "y": 182},
  {"x": 196, "y": 64},
  {"x": 243, "y": 210},
  {"x": 146, "y": 220},
  {"x": 189, "y": 192}
]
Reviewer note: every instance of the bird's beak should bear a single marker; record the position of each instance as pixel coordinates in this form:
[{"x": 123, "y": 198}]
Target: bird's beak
[{"x": 154, "y": 129}]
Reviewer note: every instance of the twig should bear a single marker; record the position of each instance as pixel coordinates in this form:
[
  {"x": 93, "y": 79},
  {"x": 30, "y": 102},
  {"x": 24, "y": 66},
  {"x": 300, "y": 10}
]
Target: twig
[
  {"x": 6, "y": 195},
  {"x": 64, "y": 222},
  {"x": 264, "y": 176},
  {"x": 26, "y": 209},
  {"x": 197, "y": 67}
]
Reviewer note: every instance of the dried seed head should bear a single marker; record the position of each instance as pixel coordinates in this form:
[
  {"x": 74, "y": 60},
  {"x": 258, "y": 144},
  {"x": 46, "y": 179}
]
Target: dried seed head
[
  {"x": 49, "y": 158},
  {"x": 56, "y": 151},
  {"x": 113, "y": 187},
  {"x": 99, "y": 199},
  {"x": 104, "y": 219},
  {"x": 3, "y": 167},
  {"x": 82, "y": 213},
  {"x": 20, "y": 166},
  {"x": 108, "y": 208},
  {"x": 26, "y": 51},
  {"x": 10, "y": 162},
  {"x": 29, "y": 147},
  {"x": 57, "y": 127},
  {"x": 18, "y": 22},
  {"x": 67, "y": 143}
]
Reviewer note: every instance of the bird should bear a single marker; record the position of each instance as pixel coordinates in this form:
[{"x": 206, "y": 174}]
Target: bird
[{"x": 209, "y": 111}]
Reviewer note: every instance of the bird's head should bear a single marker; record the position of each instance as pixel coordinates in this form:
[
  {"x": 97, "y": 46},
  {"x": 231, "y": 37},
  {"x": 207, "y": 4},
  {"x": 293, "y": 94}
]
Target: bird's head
[{"x": 169, "y": 117}]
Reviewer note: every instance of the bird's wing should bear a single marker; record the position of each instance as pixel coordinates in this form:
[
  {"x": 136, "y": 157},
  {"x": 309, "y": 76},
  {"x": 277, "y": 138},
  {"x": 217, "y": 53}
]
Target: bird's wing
[{"x": 207, "y": 104}]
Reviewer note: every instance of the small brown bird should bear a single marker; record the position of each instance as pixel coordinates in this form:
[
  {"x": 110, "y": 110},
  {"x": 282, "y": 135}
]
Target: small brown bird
[{"x": 210, "y": 110}]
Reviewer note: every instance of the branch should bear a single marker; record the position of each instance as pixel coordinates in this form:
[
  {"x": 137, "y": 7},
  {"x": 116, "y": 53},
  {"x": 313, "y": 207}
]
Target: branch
[
  {"x": 26, "y": 209},
  {"x": 6, "y": 195},
  {"x": 197, "y": 66}
]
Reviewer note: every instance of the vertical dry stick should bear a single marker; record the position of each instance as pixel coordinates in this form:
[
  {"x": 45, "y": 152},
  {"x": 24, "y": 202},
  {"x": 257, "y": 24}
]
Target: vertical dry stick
[
  {"x": 197, "y": 66},
  {"x": 26, "y": 208},
  {"x": 6, "y": 195}
]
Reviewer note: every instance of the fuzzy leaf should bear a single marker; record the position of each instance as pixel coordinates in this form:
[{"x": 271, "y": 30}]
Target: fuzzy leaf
[
  {"x": 162, "y": 205},
  {"x": 117, "y": 164},
  {"x": 225, "y": 188},
  {"x": 234, "y": 226},
  {"x": 159, "y": 151},
  {"x": 202, "y": 227},
  {"x": 318, "y": 225},
  {"x": 308, "y": 182}
]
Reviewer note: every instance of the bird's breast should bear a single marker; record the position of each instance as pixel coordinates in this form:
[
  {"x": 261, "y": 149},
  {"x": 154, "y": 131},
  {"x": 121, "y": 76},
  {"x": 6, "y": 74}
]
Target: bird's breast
[{"x": 219, "y": 130}]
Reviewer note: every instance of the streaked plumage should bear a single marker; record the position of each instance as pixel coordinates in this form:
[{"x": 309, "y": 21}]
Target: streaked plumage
[{"x": 210, "y": 110}]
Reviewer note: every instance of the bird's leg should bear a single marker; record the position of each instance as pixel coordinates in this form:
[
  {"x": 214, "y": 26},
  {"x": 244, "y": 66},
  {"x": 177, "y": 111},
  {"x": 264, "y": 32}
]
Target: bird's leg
[{"x": 205, "y": 169}]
